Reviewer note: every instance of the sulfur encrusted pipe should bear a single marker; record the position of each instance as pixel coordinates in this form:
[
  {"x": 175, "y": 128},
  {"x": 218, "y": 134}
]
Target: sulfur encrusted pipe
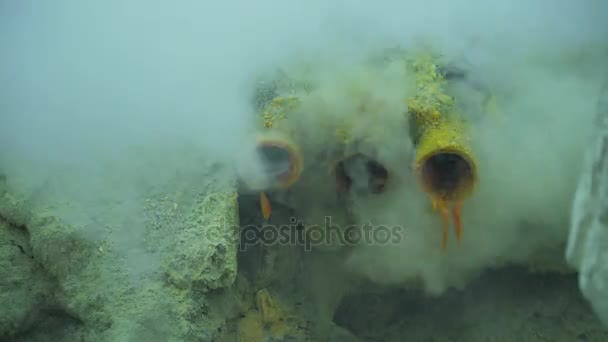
[
  {"x": 281, "y": 158},
  {"x": 445, "y": 164},
  {"x": 280, "y": 155},
  {"x": 446, "y": 169}
]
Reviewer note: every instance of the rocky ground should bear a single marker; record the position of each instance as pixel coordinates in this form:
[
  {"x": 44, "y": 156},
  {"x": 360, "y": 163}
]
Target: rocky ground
[{"x": 60, "y": 284}]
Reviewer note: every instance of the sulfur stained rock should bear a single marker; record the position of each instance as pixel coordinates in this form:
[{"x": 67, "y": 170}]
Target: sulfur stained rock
[
  {"x": 132, "y": 261},
  {"x": 268, "y": 320},
  {"x": 205, "y": 250}
]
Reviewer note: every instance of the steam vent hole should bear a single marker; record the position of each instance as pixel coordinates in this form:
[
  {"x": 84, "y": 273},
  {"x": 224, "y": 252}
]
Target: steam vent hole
[
  {"x": 361, "y": 172},
  {"x": 277, "y": 161},
  {"x": 447, "y": 173}
]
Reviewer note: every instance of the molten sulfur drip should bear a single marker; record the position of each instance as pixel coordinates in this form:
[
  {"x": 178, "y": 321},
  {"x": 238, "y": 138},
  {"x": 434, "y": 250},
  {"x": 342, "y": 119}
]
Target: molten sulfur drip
[
  {"x": 265, "y": 206},
  {"x": 449, "y": 179},
  {"x": 444, "y": 207}
]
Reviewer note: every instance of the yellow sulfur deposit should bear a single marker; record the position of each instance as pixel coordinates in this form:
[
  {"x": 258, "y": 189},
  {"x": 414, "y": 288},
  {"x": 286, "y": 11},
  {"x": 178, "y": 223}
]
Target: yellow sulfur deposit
[
  {"x": 430, "y": 103},
  {"x": 267, "y": 320},
  {"x": 278, "y": 110},
  {"x": 343, "y": 134}
]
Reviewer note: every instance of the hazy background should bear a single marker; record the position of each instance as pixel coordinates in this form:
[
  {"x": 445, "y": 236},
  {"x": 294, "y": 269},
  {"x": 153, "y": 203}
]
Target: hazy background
[
  {"x": 104, "y": 94},
  {"x": 79, "y": 77}
]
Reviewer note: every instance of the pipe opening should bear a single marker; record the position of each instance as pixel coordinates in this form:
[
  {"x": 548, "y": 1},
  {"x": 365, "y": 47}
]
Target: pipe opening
[
  {"x": 361, "y": 173},
  {"x": 447, "y": 174},
  {"x": 280, "y": 162}
]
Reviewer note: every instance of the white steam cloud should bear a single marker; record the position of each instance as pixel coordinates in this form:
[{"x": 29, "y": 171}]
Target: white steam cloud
[{"x": 86, "y": 85}]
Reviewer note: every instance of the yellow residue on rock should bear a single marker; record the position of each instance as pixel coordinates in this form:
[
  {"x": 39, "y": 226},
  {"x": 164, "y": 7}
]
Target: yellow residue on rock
[
  {"x": 449, "y": 134},
  {"x": 270, "y": 312},
  {"x": 267, "y": 319},
  {"x": 278, "y": 110},
  {"x": 344, "y": 134},
  {"x": 430, "y": 101}
]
